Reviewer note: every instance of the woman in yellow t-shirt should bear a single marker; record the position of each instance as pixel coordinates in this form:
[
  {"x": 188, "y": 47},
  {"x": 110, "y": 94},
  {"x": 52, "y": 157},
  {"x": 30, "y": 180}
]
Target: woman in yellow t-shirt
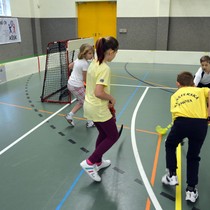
[
  {"x": 190, "y": 120},
  {"x": 97, "y": 103}
]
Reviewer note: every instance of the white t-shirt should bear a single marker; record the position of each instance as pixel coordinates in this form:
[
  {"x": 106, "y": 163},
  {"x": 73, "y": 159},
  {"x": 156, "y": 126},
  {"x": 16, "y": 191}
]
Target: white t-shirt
[
  {"x": 204, "y": 80},
  {"x": 76, "y": 78}
]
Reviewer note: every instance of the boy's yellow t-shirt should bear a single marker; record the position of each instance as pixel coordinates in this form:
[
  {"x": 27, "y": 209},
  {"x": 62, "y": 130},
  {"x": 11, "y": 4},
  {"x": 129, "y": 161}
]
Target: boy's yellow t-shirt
[
  {"x": 96, "y": 109},
  {"x": 189, "y": 102}
]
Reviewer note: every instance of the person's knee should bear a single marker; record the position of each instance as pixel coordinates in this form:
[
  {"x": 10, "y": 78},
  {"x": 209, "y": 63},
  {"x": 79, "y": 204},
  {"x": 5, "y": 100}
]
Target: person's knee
[
  {"x": 170, "y": 144},
  {"x": 192, "y": 157},
  {"x": 80, "y": 103},
  {"x": 114, "y": 137}
]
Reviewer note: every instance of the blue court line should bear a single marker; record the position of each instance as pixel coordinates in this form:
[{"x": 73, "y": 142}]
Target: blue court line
[
  {"x": 82, "y": 171},
  {"x": 69, "y": 191},
  {"x": 130, "y": 98}
]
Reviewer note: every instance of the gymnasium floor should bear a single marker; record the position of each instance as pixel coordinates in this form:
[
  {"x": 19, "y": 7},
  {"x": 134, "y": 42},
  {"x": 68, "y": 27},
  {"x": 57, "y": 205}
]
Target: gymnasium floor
[{"x": 40, "y": 153}]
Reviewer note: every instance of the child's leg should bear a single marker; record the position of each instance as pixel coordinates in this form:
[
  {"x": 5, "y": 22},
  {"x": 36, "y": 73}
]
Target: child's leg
[
  {"x": 76, "y": 107},
  {"x": 196, "y": 139},
  {"x": 79, "y": 94},
  {"x": 69, "y": 116},
  {"x": 101, "y": 135},
  {"x": 174, "y": 138},
  {"x": 108, "y": 135}
]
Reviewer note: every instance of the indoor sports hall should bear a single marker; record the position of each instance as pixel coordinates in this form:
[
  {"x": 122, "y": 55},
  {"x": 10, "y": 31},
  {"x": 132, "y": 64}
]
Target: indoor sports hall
[{"x": 40, "y": 153}]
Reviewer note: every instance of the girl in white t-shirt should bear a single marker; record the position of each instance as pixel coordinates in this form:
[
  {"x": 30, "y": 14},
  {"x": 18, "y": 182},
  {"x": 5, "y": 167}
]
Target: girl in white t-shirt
[{"x": 78, "y": 78}]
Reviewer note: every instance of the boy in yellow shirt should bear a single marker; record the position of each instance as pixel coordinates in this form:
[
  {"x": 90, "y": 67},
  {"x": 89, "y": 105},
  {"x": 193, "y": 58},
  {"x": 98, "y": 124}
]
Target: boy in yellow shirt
[{"x": 190, "y": 120}]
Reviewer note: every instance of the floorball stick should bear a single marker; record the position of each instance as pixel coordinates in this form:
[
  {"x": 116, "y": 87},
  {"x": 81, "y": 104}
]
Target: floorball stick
[{"x": 162, "y": 130}]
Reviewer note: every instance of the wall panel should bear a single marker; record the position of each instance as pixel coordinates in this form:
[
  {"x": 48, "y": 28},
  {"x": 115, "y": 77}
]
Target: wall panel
[
  {"x": 54, "y": 29},
  {"x": 189, "y": 34},
  {"x": 141, "y": 33}
]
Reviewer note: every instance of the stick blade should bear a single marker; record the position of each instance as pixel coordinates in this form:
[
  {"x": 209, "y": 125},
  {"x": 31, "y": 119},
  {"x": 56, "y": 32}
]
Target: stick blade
[
  {"x": 161, "y": 130},
  {"x": 120, "y": 131}
]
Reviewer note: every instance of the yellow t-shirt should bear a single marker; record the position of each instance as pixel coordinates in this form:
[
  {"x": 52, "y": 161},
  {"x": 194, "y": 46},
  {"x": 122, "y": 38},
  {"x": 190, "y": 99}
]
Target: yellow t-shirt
[
  {"x": 96, "y": 109},
  {"x": 189, "y": 102}
]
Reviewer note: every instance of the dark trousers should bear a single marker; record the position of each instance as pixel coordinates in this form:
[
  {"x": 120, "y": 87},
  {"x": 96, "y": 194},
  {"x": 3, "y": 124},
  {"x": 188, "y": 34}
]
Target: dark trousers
[
  {"x": 108, "y": 135},
  {"x": 202, "y": 85},
  {"x": 193, "y": 129}
]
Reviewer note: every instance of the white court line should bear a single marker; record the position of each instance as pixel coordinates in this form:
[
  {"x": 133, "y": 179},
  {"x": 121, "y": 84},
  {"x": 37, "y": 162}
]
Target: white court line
[
  {"x": 33, "y": 129},
  {"x": 154, "y": 87},
  {"x": 137, "y": 157}
]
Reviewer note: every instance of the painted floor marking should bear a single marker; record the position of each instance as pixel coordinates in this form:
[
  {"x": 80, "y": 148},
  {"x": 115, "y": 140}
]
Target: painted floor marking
[
  {"x": 137, "y": 157},
  {"x": 33, "y": 129}
]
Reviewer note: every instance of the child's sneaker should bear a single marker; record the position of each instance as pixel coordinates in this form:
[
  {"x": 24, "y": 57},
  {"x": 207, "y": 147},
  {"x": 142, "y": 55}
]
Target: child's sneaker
[
  {"x": 70, "y": 120},
  {"x": 191, "y": 195},
  {"x": 90, "y": 124},
  {"x": 104, "y": 164},
  {"x": 91, "y": 171},
  {"x": 173, "y": 180}
]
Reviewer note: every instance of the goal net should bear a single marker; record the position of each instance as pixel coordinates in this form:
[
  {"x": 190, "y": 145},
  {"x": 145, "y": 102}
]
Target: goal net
[{"x": 59, "y": 55}]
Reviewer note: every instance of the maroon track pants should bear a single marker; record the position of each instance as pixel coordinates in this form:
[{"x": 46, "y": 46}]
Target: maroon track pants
[{"x": 108, "y": 135}]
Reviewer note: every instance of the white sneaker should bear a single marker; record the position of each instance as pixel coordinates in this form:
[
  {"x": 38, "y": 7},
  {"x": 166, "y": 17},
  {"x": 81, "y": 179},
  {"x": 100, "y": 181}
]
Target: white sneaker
[
  {"x": 166, "y": 179},
  {"x": 90, "y": 124},
  {"x": 104, "y": 164},
  {"x": 70, "y": 120},
  {"x": 191, "y": 196},
  {"x": 91, "y": 171}
]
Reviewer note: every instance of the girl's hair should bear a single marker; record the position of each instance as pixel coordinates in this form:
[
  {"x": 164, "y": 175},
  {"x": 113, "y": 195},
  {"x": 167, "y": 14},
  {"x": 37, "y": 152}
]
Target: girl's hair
[
  {"x": 185, "y": 79},
  {"x": 84, "y": 49},
  {"x": 104, "y": 44},
  {"x": 205, "y": 58}
]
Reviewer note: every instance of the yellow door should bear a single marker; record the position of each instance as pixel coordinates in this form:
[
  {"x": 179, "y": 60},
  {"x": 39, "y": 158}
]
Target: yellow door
[{"x": 96, "y": 19}]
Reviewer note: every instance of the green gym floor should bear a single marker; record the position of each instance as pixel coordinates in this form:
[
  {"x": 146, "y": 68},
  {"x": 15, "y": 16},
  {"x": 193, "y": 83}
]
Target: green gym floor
[{"x": 40, "y": 153}]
